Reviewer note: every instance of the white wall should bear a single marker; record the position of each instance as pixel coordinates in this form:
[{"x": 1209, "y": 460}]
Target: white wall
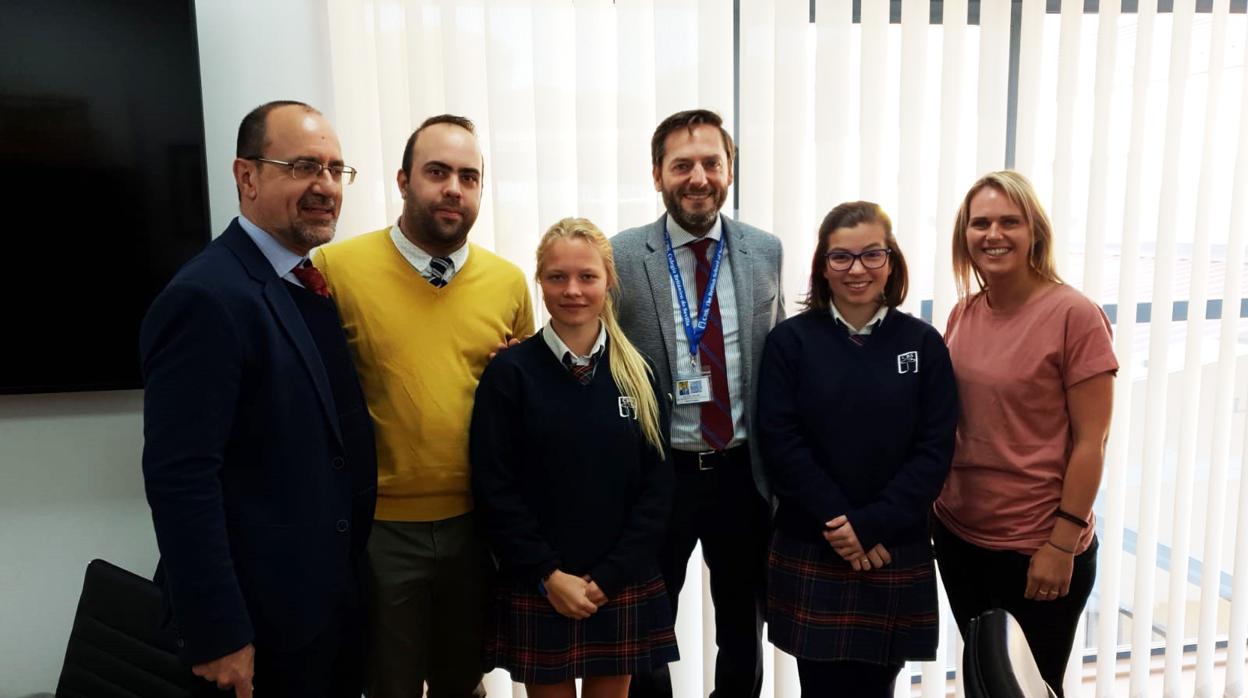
[
  {"x": 70, "y": 483},
  {"x": 70, "y": 491},
  {"x": 251, "y": 53}
]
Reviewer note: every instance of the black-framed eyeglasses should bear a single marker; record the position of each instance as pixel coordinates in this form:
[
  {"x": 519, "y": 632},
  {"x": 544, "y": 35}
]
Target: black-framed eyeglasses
[
  {"x": 311, "y": 169},
  {"x": 871, "y": 259}
]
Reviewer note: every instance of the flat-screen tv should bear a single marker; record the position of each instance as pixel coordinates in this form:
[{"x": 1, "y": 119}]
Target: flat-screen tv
[{"x": 104, "y": 183}]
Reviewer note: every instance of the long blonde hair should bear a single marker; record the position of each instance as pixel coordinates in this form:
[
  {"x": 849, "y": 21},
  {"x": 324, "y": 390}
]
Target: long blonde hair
[
  {"x": 631, "y": 373},
  {"x": 1018, "y": 190}
]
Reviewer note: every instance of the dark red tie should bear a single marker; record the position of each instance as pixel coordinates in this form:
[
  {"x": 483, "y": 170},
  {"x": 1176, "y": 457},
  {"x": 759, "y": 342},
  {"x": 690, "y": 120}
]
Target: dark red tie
[
  {"x": 311, "y": 279},
  {"x": 716, "y": 414}
]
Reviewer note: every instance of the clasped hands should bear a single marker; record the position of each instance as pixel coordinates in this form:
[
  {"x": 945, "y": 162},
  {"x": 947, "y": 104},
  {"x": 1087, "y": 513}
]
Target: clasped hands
[
  {"x": 574, "y": 597},
  {"x": 840, "y": 535}
]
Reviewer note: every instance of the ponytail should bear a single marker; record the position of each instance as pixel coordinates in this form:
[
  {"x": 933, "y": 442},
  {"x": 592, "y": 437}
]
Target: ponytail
[{"x": 632, "y": 375}]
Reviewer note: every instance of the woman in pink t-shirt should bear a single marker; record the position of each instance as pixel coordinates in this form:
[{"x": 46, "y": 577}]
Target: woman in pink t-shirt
[{"x": 1034, "y": 364}]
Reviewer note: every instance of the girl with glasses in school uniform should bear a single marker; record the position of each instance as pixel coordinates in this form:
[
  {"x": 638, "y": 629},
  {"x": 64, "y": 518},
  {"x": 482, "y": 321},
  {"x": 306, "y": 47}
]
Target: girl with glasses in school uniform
[{"x": 857, "y": 409}]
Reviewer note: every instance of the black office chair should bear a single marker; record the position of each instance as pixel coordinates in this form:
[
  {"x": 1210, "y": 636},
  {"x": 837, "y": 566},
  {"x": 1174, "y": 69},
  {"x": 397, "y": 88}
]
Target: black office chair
[
  {"x": 120, "y": 646},
  {"x": 992, "y": 668}
]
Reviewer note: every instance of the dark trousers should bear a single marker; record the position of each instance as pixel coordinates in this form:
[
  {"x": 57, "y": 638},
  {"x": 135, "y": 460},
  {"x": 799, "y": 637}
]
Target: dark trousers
[
  {"x": 977, "y": 579},
  {"x": 856, "y": 679},
  {"x": 429, "y": 591},
  {"x": 718, "y": 504},
  {"x": 331, "y": 666}
]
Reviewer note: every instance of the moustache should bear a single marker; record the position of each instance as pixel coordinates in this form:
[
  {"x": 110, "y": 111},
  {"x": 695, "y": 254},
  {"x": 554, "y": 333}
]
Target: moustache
[
  {"x": 317, "y": 201},
  {"x": 450, "y": 208}
]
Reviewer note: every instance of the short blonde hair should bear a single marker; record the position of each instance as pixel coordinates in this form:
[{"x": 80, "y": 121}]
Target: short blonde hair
[
  {"x": 632, "y": 375},
  {"x": 1021, "y": 193}
]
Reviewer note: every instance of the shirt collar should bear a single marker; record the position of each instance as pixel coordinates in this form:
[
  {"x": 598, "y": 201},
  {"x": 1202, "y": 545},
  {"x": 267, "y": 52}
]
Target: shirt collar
[
  {"x": 282, "y": 259},
  {"x": 418, "y": 258},
  {"x": 868, "y": 328},
  {"x": 681, "y": 237},
  {"x": 559, "y": 348}
]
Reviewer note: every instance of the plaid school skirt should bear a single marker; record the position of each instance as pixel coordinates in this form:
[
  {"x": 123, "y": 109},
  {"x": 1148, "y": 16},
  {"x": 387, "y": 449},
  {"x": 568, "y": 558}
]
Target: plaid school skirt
[
  {"x": 819, "y": 608},
  {"x": 632, "y": 634}
]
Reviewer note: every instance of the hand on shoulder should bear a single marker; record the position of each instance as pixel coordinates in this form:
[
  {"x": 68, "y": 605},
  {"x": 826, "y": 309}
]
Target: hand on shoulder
[{"x": 504, "y": 346}]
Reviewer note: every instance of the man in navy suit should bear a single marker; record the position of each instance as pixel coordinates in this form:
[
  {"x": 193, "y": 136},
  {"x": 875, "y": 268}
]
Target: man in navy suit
[{"x": 259, "y": 459}]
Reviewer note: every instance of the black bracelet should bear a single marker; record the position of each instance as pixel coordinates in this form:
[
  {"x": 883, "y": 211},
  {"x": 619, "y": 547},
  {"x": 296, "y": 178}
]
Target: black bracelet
[
  {"x": 1068, "y": 551},
  {"x": 1062, "y": 514}
]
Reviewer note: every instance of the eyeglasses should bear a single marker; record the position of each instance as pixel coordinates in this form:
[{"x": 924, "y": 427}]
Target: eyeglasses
[
  {"x": 311, "y": 169},
  {"x": 871, "y": 259}
]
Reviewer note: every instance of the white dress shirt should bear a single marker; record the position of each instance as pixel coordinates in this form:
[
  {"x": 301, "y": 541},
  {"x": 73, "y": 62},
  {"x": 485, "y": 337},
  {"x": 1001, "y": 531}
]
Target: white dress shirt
[
  {"x": 419, "y": 259},
  {"x": 559, "y": 348},
  {"x": 687, "y": 419},
  {"x": 866, "y": 329}
]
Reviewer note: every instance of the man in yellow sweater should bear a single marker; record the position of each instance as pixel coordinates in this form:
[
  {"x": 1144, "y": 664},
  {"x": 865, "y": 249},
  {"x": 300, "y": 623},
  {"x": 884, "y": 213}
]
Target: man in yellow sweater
[{"x": 423, "y": 309}]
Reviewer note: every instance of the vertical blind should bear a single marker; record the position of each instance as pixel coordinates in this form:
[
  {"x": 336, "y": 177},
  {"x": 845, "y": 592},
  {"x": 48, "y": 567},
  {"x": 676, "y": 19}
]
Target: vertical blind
[{"x": 1128, "y": 122}]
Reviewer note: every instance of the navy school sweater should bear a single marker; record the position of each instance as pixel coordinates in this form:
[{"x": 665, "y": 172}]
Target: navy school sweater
[
  {"x": 866, "y": 431},
  {"x": 561, "y": 475}
]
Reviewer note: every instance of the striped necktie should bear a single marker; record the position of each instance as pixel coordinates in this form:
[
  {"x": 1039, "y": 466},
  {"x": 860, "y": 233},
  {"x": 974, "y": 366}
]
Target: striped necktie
[
  {"x": 856, "y": 338},
  {"x": 716, "y": 417},
  {"x": 438, "y": 267},
  {"x": 849, "y": 332},
  {"x": 585, "y": 373}
]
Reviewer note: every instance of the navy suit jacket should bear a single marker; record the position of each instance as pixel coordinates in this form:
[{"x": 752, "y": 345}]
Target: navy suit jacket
[{"x": 262, "y": 488}]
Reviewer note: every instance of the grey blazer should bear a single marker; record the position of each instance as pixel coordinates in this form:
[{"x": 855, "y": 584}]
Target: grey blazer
[{"x": 644, "y": 304}]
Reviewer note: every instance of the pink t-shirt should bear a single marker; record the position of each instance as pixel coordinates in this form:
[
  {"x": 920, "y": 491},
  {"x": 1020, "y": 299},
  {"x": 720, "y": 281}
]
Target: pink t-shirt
[{"x": 1013, "y": 370}]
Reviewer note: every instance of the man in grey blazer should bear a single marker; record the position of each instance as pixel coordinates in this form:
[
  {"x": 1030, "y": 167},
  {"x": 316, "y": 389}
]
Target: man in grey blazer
[{"x": 727, "y": 299}]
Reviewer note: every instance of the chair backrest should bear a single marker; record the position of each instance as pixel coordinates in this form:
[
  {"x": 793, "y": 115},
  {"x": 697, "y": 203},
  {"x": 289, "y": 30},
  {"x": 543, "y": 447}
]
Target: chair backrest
[
  {"x": 120, "y": 645},
  {"x": 997, "y": 663}
]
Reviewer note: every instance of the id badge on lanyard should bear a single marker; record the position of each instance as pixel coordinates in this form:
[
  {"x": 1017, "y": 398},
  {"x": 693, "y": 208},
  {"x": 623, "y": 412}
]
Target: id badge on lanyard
[{"x": 695, "y": 389}]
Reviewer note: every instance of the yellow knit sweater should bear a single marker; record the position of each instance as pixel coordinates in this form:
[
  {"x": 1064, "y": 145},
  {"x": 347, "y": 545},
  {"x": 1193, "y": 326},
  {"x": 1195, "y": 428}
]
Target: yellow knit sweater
[{"x": 420, "y": 351}]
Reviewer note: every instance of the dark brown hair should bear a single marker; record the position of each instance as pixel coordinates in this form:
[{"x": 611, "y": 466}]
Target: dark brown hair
[
  {"x": 460, "y": 121},
  {"x": 688, "y": 120},
  {"x": 253, "y": 131},
  {"x": 848, "y": 215}
]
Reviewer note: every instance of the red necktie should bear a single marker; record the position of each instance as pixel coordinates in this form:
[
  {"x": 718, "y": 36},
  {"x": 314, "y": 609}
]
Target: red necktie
[
  {"x": 716, "y": 414},
  {"x": 311, "y": 279},
  {"x": 583, "y": 374}
]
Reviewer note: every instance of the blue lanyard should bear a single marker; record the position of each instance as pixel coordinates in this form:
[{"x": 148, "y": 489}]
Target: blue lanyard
[{"x": 693, "y": 331}]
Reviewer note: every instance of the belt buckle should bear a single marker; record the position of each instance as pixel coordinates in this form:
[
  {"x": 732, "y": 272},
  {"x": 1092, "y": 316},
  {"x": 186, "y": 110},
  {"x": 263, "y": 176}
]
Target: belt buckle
[{"x": 704, "y": 462}]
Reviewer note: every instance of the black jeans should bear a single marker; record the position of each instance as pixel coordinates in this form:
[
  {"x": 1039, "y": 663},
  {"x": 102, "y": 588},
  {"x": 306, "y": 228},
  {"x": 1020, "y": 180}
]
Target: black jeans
[
  {"x": 720, "y": 506},
  {"x": 856, "y": 679},
  {"x": 977, "y": 579}
]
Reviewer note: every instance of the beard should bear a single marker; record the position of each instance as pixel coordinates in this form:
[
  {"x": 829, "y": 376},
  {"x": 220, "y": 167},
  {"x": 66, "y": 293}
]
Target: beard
[
  {"x": 313, "y": 234},
  {"x": 695, "y": 222},
  {"x": 423, "y": 222}
]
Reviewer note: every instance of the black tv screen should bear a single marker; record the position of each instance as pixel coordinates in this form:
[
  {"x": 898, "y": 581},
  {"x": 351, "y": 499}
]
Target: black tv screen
[{"x": 102, "y": 167}]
